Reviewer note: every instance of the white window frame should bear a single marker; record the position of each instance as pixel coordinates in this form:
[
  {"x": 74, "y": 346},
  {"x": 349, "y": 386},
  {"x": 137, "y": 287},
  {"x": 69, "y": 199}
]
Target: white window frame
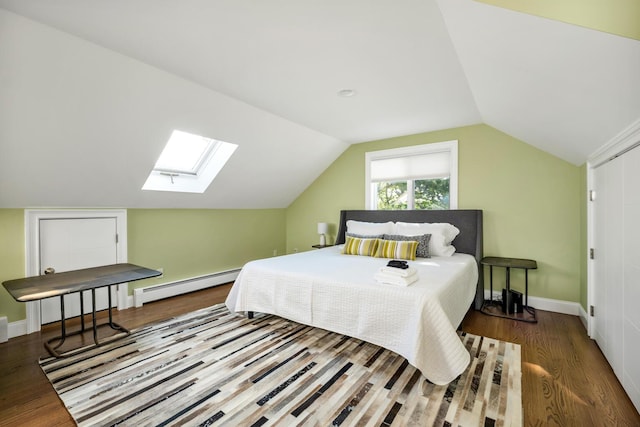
[{"x": 438, "y": 147}]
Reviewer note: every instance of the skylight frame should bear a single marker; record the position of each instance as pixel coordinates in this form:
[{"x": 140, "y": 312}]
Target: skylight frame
[
  {"x": 173, "y": 145},
  {"x": 196, "y": 179}
]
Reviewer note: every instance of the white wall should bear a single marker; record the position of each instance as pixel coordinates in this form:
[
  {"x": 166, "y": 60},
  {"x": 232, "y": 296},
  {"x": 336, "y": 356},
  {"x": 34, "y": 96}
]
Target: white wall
[{"x": 81, "y": 125}]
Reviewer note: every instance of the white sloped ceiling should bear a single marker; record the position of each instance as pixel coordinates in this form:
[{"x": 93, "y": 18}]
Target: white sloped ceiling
[
  {"x": 562, "y": 88},
  {"x": 91, "y": 89}
]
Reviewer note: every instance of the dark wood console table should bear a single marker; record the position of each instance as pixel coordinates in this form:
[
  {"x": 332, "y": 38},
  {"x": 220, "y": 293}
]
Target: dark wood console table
[{"x": 59, "y": 284}]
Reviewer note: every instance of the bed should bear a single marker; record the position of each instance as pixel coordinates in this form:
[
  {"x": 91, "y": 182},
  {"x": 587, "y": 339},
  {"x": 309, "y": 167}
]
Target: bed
[{"x": 330, "y": 290}]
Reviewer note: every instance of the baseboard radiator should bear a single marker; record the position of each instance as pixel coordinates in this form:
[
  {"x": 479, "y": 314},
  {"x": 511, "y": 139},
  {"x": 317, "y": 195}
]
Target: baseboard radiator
[{"x": 166, "y": 290}]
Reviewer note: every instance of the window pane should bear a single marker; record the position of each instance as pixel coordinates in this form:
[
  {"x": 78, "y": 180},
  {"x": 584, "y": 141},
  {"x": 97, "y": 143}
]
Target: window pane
[
  {"x": 431, "y": 193},
  {"x": 184, "y": 153},
  {"x": 391, "y": 195}
]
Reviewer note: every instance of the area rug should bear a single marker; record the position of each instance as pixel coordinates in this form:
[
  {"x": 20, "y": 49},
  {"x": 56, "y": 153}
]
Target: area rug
[{"x": 211, "y": 367}]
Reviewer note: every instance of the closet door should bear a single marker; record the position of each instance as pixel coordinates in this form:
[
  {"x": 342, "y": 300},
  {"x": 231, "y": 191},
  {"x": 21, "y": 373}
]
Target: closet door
[
  {"x": 71, "y": 244},
  {"x": 609, "y": 238},
  {"x": 616, "y": 239},
  {"x": 630, "y": 377}
]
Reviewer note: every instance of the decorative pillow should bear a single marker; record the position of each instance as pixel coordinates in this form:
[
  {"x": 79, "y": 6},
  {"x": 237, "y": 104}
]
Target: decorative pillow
[
  {"x": 360, "y": 236},
  {"x": 356, "y": 246},
  {"x": 442, "y": 234},
  {"x": 370, "y": 228},
  {"x": 450, "y": 231},
  {"x": 397, "y": 249},
  {"x": 423, "y": 243}
]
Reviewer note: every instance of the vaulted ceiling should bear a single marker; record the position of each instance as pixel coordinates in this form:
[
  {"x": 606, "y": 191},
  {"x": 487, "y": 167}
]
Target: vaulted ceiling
[{"x": 91, "y": 89}]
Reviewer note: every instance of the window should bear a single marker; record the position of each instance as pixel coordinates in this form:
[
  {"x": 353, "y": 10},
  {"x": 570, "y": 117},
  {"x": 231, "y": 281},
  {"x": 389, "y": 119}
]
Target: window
[
  {"x": 418, "y": 177},
  {"x": 188, "y": 163}
]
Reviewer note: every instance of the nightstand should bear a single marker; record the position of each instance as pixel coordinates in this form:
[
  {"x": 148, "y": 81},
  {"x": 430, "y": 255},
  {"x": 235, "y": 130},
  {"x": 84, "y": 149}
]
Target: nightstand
[{"x": 528, "y": 314}]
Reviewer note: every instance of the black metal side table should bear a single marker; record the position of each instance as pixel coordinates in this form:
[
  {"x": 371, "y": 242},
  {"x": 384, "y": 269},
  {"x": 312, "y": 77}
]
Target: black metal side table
[{"x": 528, "y": 314}]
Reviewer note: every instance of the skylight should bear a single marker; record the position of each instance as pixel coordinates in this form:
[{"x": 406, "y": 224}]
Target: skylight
[{"x": 188, "y": 163}]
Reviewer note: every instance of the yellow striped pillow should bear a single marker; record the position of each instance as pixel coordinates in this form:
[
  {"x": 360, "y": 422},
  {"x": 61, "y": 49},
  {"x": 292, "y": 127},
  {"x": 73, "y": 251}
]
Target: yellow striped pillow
[
  {"x": 397, "y": 249},
  {"x": 358, "y": 246}
]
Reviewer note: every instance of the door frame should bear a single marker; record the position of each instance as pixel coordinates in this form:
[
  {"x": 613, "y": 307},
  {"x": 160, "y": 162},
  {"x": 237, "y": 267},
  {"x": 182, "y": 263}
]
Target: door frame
[
  {"x": 32, "y": 219},
  {"x": 617, "y": 146}
]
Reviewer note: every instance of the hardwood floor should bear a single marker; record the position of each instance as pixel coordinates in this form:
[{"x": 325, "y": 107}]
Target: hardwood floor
[{"x": 565, "y": 379}]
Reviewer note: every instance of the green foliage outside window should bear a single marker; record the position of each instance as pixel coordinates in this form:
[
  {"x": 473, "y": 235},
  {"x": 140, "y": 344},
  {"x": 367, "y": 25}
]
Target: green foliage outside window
[
  {"x": 431, "y": 193},
  {"x": 428, "y": 194},
  {"x": 392, "y": 195}
]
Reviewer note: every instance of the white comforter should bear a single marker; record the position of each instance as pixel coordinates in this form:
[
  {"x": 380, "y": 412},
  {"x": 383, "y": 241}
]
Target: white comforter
[{"x": 326, "y": 289}]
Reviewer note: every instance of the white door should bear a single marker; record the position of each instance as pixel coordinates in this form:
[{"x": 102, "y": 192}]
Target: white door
[
  {"x": 616, "y": 267},
  {"x": 609, "y": 259},
  {"x": 72, "y": 244},
  {"x": 631, "y": 291}
]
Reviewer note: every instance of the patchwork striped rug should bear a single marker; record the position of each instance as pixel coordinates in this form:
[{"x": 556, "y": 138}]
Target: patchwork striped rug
[{"x": 210, "y": 367}]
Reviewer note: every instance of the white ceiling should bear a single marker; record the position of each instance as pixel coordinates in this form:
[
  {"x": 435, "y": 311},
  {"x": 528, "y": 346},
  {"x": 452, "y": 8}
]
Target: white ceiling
[{"x": 416, "y": 65}]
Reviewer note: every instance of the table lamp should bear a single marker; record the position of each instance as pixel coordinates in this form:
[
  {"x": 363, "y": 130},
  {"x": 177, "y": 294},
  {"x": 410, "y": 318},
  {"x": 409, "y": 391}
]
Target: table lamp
[{"x": 323, "y": 229}]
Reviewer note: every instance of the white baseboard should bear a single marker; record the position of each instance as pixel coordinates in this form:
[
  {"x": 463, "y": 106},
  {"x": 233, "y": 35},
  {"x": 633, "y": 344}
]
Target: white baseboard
[
  {"x": 17, "y": 328},
  {"x": 547, "y": 304},
  {"x": 171, "y": 289},
  {"x": 557, "y": 306},
  {"x": 584, "y": 318}
]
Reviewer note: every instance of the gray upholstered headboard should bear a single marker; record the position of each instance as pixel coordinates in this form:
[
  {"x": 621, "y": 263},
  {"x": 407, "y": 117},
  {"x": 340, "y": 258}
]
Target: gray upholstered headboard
[{"x": 468, "y": 221}]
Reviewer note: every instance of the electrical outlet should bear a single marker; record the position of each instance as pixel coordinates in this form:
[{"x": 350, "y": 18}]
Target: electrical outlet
[
  {"x": 161, "y": 270},
  {"x": 295, "y": 250},
  {"x": 275, "y": 252}
]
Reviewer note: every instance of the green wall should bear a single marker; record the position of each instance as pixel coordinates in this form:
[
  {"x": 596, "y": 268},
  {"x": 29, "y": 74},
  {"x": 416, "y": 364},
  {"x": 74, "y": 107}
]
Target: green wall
[
  {"x": 12, "y": 261},
  {"x": 531, "y": 203},
  {"x": 192, "y": 242},
  {"x": 620, "y": 17},
  {"x": 184, "y": 242}
]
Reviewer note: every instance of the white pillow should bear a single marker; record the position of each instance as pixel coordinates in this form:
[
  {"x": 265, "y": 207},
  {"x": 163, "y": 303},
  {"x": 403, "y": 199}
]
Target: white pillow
[
  {"x": 370, "y": 228},
  {"x": 442, "y": 234}
]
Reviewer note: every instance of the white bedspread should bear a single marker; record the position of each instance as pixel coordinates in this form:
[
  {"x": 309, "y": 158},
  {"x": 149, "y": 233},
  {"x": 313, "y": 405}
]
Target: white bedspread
[{"x": 326, "y": 289}]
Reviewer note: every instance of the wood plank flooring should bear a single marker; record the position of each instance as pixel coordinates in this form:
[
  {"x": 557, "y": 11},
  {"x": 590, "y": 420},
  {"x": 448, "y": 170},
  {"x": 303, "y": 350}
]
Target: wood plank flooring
[{"x": 566, "y": 380}]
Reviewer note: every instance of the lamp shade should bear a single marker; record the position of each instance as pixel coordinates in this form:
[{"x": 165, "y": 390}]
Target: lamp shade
[{"x": 323, "y": 228}]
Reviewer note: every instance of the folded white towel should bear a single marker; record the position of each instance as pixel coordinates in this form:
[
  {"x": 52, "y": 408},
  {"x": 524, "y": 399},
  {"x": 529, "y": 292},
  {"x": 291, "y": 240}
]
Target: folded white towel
[
  {"x": 400, "y": 272},
  {"x": 395, "y": 280}
]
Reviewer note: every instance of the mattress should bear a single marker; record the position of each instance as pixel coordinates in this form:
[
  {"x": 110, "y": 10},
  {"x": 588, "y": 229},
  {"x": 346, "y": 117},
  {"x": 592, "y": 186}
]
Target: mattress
[{"x": 336, "y": 292}]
